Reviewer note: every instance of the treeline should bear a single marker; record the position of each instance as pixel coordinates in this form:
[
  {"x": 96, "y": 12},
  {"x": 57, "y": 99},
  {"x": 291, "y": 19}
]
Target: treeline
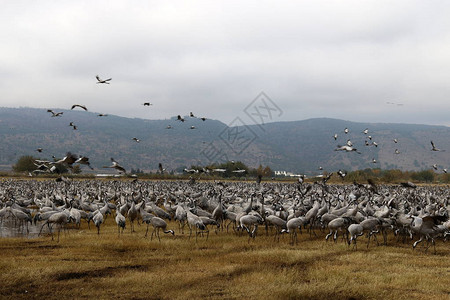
[
  {"x": 393, "y": 176},
  {"x": 239, "y": 171},
  {"x": 231, "y": 169}
]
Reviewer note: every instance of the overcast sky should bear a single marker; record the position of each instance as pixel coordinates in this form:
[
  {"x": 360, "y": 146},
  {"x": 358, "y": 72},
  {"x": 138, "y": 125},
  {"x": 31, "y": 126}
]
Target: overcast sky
[{"x": 337, "y": 59}]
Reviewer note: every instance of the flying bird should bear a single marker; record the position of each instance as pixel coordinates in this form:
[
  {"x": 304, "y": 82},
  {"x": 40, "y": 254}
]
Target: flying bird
[
  {"x": 80, "y": 106},
  {"x": 58, "y": 114},
  {"x": 346, "y": 148},
  {"x": 41, "y": 166},
  {"x": 335, "y": 136},
  {"x": 395, "y": 141},
  {"x": 346, "y": 130},
  {"x": 326, "y": 178},
  {"x": 68, "y": 160},
  {"x": 349, "y": 143},
  {"x": 341, "y": 174},
  {"x": 434, "y": 147},
  {"x": 115, "y": 165},
  {"x": 147, "y": 104},
  {"x": 136, "y": 139},
  {"x": 160, "y": 167},
  {"x": 39, "y": 150},
  {"x": 73, "y": 126},
  {"x": 84, "y": 161},
  {"x": 435, "y": 166},
  {"x": 366, "y": 131},
  {"x": 102, "y": 81},
  {"x": 396, "y": 151},
  {"x": 392, "y": 103},
  {"x": 179, "y": 118},
  {"x": 374, "y": 160}
]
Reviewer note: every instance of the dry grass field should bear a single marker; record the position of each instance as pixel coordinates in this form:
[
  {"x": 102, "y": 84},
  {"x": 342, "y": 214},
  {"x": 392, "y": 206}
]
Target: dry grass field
[{"x": 106, "y": 266}]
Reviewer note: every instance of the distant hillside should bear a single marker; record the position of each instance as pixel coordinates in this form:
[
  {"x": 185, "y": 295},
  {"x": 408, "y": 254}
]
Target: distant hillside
[{"x": 298, "y": 146}]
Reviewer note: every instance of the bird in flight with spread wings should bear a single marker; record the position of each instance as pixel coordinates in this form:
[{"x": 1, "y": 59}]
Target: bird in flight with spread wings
[
  {"x": 102, "y": 80},
  {"x": 115, "y": 165},
  {"x": 55, "y": 114},
  {"x": 434, "y": 147},
  {"x": 80, "y": 106}
]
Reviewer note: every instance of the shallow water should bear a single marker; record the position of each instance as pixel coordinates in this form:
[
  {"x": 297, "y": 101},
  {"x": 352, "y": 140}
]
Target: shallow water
[{"x": 9, "y": 227}]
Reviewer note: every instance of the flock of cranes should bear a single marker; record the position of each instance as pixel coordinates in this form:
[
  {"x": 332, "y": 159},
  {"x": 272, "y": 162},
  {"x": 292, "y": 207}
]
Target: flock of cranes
[
  {"x": 409, "y": 212},
  {"x": 368, "y": 141},
  {"x": 70, "y": 159}
]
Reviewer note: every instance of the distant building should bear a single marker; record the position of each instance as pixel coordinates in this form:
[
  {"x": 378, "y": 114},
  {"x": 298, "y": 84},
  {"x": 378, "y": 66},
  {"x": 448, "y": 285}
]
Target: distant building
[{"x": 286, "y": 174}]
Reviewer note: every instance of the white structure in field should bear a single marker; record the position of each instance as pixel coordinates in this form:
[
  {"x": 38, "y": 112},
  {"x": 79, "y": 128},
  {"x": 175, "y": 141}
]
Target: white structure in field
[{"x": 286, "y": 174}]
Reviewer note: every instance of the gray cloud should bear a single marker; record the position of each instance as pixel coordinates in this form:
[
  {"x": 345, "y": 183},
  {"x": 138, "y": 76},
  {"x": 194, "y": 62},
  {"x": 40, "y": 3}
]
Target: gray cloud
[{"x": 314, "y": 58}]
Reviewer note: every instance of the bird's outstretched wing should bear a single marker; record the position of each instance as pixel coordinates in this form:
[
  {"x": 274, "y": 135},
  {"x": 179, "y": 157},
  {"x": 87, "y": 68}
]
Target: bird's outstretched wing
[
  {"x": 71, "y": 158},
  {"x": 120, "y": 168},
  {"x": 432, "y": 221},
  {"x": 80, "y": 106}
]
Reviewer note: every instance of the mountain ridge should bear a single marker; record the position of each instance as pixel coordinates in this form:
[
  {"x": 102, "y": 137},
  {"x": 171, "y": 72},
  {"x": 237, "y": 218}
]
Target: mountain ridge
[{"x": 296, "y": 146}]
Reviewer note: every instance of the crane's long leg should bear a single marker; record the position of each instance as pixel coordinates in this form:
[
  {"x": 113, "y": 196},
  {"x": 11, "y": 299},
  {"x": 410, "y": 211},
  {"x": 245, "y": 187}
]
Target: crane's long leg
[
  {"x": 50, "y": 228},
  {"x": 146, "y": 232},
  {"x": 151, "y": 238},
  {"x": 46, "y": 223},
  {"x": 417, "y": 242}
]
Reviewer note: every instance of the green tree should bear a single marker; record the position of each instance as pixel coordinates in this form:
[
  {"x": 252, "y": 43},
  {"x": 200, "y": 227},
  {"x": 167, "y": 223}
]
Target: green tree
[
  {"x": 25, "y": 164},
  {"x": 424, "y": 176}
]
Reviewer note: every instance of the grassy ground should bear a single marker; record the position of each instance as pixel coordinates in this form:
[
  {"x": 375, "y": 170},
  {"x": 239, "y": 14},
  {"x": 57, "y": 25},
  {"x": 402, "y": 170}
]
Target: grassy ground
[{"x": 85, "y": 265}]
